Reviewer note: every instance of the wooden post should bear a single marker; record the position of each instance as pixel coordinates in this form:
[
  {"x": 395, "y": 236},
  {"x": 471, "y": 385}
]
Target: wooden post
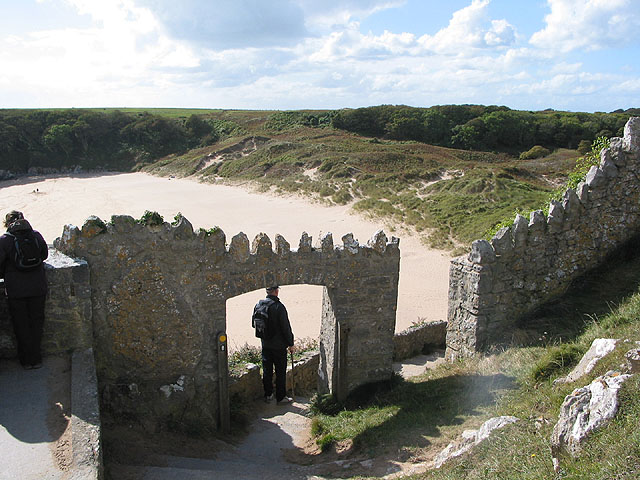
[{"x": 223, "y": 383}]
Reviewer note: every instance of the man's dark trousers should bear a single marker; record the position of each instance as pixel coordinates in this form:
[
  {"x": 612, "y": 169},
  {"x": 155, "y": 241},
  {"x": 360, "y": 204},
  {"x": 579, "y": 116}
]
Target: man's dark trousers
[
  {"x": 274, "y": 358},
  {"x": 27, "y": 317}
]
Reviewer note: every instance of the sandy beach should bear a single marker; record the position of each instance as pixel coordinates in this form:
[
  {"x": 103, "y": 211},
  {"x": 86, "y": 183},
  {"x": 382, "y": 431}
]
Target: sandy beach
[{"x": 51, "y": 202}]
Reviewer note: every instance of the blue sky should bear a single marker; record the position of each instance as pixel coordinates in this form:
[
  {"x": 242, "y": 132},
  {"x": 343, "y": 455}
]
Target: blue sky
[{"x": 578, "y": 55}]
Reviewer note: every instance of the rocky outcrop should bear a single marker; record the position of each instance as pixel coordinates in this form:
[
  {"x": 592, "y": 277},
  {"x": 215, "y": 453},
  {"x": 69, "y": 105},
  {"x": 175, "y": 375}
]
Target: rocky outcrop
[
  {"x": 585, "y": 410},
  {"x": 471, "y": 438},
  {"x": 633, "y": 360},
  {"x": 536, "y": 259},
  {"x": 599, "y": 349}
]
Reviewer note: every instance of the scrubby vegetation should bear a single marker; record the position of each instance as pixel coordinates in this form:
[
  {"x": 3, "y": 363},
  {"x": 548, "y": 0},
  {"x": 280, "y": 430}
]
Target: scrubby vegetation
[
  {"x": 450, "y": 172},
  {"x": 414, "y": 420}
]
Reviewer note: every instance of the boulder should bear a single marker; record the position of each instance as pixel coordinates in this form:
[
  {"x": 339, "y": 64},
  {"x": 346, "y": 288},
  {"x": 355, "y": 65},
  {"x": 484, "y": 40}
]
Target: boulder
[
  {"x": 600, "y": 348},
  {"x": 585, "y": 410},
  {"x": 471, "y": 438}
]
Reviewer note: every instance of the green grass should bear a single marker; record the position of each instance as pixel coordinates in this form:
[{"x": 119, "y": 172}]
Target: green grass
[{"x": 418, "y": 418}]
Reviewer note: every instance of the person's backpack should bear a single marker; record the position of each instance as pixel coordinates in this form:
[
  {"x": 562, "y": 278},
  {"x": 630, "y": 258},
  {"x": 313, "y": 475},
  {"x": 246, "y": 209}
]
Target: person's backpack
[
  {"x": 260, "y": 319},
  {"x": 27, "y": 255}
]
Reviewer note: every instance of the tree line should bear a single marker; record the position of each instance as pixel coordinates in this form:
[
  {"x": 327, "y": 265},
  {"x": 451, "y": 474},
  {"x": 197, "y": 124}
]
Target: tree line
[
  {"x": 478, "y": 127},
  {"x": 59, "y": 139},
  {"x": 116, "y": 140}
]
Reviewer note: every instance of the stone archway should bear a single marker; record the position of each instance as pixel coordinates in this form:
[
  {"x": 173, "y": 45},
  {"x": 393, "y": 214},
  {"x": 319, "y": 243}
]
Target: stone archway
[{"x": 159, "y": 301}]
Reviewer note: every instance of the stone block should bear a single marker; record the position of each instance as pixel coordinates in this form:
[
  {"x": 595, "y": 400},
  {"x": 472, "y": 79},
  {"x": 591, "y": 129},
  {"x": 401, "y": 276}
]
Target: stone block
[
  {"x": 502, "y": 241},
  {"x": 519, "y": 232},
  {"x": 482, "y": 252},
  {"x": 305, "y": 243},
  {"x": 239, "y": 248}
]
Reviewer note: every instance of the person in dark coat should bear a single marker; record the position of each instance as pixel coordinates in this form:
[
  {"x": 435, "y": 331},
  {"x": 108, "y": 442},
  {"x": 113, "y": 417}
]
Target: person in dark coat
[
  {"x": 26, "y": 290},
  {"x": 274, "y": 350}
]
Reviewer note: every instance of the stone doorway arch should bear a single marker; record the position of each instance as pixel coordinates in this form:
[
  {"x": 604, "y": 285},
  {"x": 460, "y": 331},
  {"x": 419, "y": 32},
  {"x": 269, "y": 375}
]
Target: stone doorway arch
[{"x": 159, "y": 297}]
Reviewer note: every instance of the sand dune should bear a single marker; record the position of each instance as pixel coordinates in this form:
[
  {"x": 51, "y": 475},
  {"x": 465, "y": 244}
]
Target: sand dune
[{"x": 51, "y": 202}]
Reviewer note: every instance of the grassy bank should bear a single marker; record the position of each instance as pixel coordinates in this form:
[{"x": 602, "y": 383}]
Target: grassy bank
[{"x": 414, "y": 420}]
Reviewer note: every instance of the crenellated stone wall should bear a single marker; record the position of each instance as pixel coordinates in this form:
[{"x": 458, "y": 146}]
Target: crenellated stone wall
[
  {"x": 536, "y": 259},
  {"x": 159, "y": 297}
]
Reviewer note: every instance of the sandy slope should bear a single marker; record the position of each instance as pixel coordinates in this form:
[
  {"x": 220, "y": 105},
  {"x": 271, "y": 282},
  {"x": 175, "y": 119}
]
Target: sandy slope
[{"x": 50, "y": 203}]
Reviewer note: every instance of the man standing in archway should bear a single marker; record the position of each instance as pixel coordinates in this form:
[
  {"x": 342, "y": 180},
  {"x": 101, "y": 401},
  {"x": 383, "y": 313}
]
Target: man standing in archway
[{"x": 274, "y": 347}]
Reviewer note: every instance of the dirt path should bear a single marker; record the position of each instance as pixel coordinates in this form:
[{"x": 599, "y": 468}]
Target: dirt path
[{"x": 278, "y": 446}]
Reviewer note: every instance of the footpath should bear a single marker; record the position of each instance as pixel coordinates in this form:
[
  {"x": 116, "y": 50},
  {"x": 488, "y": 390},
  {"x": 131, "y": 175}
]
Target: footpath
[
  {"x": 35, "y": 427},
  {"x": 47, "y": 422},
  {"x": 278, "y": 447}
]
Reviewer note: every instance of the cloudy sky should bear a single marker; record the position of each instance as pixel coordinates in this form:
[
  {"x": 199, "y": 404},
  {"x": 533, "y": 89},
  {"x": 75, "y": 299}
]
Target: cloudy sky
[{"x": 578, "y": 55}]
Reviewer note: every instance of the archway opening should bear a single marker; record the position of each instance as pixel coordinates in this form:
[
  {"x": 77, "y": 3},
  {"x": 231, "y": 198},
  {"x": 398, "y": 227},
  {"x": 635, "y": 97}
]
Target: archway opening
[{"x": 304, "y": 305}]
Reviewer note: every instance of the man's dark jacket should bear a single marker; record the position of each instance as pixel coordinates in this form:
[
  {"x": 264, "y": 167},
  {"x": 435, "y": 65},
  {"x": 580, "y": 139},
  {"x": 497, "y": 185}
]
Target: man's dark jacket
[
  {"x": 21, "y": 284},
  {"x": 283, "y": 337}
]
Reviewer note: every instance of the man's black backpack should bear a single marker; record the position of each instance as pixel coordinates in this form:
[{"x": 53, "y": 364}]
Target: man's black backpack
[
  {"x": 260, "y": 319},
  {"x": 27, "y": 255}
]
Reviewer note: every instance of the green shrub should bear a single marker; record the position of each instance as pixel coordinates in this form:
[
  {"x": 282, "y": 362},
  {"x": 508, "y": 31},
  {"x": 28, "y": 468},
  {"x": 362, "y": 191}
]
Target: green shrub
[
  {"x": 537, "y": 151},
  {"x": 151, "y": 218},
  {"x": 341, "y": 197}
]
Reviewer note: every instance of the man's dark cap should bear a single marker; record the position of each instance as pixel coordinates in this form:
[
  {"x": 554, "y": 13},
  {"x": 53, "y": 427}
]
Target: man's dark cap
[{"x": 271, "y": 289}]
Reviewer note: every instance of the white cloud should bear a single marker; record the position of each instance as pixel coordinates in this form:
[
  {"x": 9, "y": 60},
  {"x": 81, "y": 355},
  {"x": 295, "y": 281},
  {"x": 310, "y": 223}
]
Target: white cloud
[
  {"x": 329, "y": 14},
  {"x": 300, "y": 54},
  {"x": 589, "y": 24},
  {"x": 470, "y": 27},
  {"x": 231, "y": 23}
]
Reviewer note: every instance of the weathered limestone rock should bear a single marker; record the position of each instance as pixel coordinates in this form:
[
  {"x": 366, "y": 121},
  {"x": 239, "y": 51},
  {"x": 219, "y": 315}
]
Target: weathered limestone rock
[
  {"x": 595, "y": 177},
  {"x": 556, "y": 216},
  {"x": 413, "y": 340},
  {"x": 482, "y": 252},
  {"x": 261, "y": 245},
  {"x": 599, "y": 349},
  {"x": 633, "y": 360},
  {"x": 631, "y": 140},
  {"x": 326, "y": 243},
  {"x": 378, "y": 242},
  {"x": 93, "y": 226},
  {"x": 585, "y": 410},
  {"x": 519, "y": 231},
  {"x": 283, "y": 248},
  {"x": 502, "y": 241},
  {"x": 350, "y": 244},
  {"x": 305, "y": 243},
  {"x": 183, "y": 230},
  {"x": 239, "y": 247},
  {"x": 471, "y": 438}
]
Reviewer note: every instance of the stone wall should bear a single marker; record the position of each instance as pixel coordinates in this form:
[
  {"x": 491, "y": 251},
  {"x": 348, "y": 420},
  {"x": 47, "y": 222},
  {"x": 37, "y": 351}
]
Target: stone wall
[
  {"x": 302, "y": 379},
  {"x": 159, "y": 297},
  {"x": 532, "y": 261},
  {"x": 67, "y": 311},
  {"x": 415, "y": 340}
]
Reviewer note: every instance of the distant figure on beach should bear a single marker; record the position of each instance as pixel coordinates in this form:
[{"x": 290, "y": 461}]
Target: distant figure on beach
[
  {"x": 274, "y": 346},
  {"x": 22, "y": 252}
]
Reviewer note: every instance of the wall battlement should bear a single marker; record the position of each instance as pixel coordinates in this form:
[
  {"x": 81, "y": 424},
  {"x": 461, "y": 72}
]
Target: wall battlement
[
  {"x": 535, "y": 259},
  {"x": 159, "y": 293}
]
